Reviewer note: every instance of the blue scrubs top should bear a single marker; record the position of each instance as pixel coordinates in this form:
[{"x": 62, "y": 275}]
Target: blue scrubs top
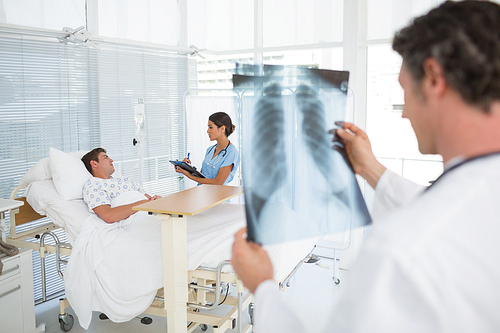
[{"x": 210, "y": 167}]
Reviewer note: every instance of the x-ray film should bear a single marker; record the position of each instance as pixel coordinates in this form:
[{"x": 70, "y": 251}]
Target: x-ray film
[{"x": 296, "y": 185}]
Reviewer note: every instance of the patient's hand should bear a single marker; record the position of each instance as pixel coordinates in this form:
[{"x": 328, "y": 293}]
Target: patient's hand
[
  {"x": 154, "y": 197},
  {"x": 250, "y": 261}
]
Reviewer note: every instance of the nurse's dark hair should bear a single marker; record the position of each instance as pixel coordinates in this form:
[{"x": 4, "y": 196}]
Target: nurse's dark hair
[
  {"x": 92, "y": 155},
  {"x": 223, "y": 119},
  {"x": 464, "y": 37}
]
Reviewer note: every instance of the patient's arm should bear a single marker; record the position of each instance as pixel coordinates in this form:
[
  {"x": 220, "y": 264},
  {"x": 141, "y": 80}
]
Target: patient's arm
[
  {"x": 116, "y": 214},
  {"x": 218, "y": 180}
]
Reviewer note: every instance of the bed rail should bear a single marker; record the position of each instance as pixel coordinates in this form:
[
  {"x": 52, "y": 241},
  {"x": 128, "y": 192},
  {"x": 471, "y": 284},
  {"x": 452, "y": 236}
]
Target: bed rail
[
  {"x": 25, "y": 214},
  {"x": 59, "y": 260}
]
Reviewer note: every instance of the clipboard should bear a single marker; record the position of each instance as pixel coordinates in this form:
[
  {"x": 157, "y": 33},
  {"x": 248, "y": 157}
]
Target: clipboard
[{"x": 188, "y": 167}]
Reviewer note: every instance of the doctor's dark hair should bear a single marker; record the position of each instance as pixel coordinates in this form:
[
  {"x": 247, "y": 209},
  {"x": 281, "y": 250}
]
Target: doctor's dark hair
[
  {"x": 223, "y": 119},
  {"x": 464, "y": 37},
  {"x": 92, "y": 155}
]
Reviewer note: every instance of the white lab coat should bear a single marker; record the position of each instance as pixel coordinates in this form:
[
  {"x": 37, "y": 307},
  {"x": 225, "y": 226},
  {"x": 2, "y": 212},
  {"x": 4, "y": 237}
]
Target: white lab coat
[{"x": 433, "y": 265}]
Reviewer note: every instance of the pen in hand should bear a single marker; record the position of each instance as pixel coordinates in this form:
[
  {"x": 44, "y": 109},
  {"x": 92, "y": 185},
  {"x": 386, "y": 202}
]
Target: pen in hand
[{"x": 188, "y": 156}]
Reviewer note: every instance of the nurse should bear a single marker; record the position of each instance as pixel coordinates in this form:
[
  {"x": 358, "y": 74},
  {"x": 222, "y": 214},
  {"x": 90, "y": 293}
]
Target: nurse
[{"x": 222, "y": 159}]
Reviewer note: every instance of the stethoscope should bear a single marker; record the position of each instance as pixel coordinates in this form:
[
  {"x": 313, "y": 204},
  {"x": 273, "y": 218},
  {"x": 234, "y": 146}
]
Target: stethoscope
[
  {"x": 460, "y": 164},
  {"x": 213, "y": 162}
]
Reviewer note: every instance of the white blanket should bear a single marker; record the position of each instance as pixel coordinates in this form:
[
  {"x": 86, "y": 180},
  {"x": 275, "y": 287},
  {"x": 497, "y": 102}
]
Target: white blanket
[{"x": 117, "y": 268}]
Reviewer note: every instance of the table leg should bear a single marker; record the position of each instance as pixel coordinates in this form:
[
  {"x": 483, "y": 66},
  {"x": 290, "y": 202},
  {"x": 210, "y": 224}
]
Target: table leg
[{"x": 175, "y": 275}]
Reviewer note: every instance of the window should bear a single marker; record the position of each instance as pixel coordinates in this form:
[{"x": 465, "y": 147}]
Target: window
[
  {"x": 47, "y": 14},
  {"x": 300, "y": 22},
  {"x": 72, "y": 98},
  {"x": 384, "y": 123},
  {"x": 221, "y": 25},
  {"x": 156, "y": 21}
]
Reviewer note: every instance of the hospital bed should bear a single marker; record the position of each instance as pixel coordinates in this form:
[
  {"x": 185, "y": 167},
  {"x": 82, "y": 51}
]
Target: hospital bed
[{"x": 199, "y": 288}]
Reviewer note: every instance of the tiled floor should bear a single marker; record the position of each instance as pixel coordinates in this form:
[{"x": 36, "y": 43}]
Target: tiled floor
[{"x": 310, "y": 294}]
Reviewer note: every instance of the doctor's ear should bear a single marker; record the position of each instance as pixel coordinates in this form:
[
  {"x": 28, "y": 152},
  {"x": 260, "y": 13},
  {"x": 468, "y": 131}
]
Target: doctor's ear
[{"x": 434, "y": 74}]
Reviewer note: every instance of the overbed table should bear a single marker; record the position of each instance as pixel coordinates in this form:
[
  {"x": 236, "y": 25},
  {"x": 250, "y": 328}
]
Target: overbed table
[{"x": 172, "y": 210}]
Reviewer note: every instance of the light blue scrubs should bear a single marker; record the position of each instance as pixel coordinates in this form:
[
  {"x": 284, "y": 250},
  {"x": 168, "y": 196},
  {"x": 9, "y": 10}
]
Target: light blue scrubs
[{"x": 210, "y": 167}]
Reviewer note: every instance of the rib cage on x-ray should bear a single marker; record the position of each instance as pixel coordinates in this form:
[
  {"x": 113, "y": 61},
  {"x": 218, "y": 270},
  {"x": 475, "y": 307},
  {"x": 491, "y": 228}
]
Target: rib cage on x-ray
[
  {"x": 316, "y": 139},
  {"x": 268, "y": 147},
  {"x": 296, "y": 184}
]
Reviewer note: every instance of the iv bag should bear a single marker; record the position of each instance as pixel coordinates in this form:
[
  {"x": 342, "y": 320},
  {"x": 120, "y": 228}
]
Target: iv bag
[{"x": 140, "y": 118}]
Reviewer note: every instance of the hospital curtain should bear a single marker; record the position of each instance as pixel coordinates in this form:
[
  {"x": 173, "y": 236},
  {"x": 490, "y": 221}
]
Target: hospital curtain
[{"x": 74, "y": 97}]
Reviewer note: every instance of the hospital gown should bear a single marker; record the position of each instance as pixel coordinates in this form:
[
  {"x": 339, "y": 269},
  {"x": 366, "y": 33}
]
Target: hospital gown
[
  {"x": 430, "y": 266},
  {"x": 98, "y": 191}
]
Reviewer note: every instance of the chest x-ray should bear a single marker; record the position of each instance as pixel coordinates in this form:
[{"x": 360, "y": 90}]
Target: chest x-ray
[{"x": 296, "y": 184}]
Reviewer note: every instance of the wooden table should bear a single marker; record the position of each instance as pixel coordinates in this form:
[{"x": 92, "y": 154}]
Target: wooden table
[{"x": 172, "y": 210}]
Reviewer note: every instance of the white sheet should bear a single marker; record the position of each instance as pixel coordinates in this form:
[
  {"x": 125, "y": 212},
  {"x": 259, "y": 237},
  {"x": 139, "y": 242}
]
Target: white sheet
[
  {"x": 117, "y": 268},
  {"x": 127, "y": 264}
]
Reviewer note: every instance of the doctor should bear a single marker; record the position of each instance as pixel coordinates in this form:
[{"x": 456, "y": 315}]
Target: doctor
[
  {"x": 432, "y": 263},
  {"x": 222, "y": 159}
]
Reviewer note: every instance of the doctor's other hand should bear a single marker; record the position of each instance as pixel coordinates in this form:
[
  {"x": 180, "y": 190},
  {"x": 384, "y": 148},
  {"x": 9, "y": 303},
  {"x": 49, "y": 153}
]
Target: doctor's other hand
[
  {"x": 250, "y": 261},
  {"x": 187, "y": 160},
  {"x": 359, "y": 150}
]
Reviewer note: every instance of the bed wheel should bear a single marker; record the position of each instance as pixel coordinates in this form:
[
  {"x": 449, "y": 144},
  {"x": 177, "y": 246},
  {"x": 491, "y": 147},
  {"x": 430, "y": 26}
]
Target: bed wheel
[
  {"x": 146, "y": 320},
  {"x": 66, "y": 323},
  {"x": 251, "y": 306},
  {"x": 103, "y": 316},
  {"x": 203, "y": 327},
  {"x": 336, "y": 280}
]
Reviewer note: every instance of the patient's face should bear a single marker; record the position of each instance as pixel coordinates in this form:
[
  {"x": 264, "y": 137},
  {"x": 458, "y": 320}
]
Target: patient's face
[{"x": 105, "y": 164}]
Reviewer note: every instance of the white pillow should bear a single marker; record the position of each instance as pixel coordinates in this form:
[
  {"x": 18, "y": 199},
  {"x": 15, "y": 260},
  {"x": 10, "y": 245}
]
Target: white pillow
[
  {"x": 68, "y": 214},
  {"x": 39, "y": 171},
  {"x": 69, "y": 174}
]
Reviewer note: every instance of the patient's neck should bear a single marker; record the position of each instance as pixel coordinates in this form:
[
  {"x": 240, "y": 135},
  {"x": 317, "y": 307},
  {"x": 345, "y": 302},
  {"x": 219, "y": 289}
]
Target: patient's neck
[{"x": 101, "y": 175}]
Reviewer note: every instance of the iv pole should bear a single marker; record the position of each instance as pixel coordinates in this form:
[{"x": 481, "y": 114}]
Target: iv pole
[{"x": 140, "y": 133}]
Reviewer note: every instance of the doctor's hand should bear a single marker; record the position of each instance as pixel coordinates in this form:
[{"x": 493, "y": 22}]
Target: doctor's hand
[
  {"x": 187, "y": 160},
  {"x": 359, "y": 151},
  {"x": 250, "y": 261}
]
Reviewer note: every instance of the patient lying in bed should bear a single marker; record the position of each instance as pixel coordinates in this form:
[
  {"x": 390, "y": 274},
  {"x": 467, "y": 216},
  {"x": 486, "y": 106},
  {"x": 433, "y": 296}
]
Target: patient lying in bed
[
  {"x": 116, "y": 268},
  {"x": 102, "y": 188}
]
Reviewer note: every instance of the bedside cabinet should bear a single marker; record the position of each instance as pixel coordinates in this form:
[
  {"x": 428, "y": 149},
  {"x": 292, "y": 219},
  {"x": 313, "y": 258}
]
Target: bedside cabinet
[{"x": 17, "y": 307}]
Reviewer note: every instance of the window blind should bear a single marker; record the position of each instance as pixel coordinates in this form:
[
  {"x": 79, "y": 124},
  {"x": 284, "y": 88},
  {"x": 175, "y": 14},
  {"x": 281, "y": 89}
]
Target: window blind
[{"x": 72, "y": 98}]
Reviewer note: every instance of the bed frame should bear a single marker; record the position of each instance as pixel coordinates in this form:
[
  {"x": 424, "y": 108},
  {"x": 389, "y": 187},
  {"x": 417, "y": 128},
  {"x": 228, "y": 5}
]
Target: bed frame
[{"x": 196, "y": 290}]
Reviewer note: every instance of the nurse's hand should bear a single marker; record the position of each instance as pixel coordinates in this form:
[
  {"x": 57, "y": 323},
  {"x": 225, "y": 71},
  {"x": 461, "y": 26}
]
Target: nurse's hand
[
  {"x": 181, "y": 170},
  {"x": 187, "y": 160},
  {"x": 250, "y": 261},
  {"x": 359, "y": 151}
]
